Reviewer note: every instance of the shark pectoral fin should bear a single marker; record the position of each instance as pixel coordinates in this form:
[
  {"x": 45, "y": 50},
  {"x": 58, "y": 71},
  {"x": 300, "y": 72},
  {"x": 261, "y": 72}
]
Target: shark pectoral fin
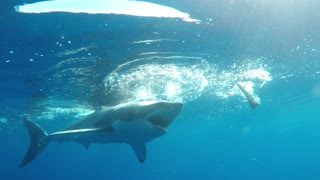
[{"x": 140, "y": 150}]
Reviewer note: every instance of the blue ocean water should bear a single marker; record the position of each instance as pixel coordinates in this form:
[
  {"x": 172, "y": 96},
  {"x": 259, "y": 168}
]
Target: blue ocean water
[{"x": 58, "y": 67}]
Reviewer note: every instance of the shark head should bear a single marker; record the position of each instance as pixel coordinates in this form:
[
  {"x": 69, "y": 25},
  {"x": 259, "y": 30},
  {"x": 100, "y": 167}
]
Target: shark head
[{"x": 159, "y": 113}]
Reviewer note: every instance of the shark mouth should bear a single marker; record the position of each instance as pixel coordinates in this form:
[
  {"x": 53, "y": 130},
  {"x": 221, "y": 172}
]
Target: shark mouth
[
  {"x": 164, "y": 118},
  {"x": 160, "y": 121}
]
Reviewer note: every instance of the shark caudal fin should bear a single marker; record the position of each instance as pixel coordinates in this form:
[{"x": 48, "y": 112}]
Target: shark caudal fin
[{"x": 37, "y": 141}]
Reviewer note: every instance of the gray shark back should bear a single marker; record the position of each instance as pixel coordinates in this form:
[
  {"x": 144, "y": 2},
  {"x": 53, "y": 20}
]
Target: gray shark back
[{"x": 128, "y": 112}]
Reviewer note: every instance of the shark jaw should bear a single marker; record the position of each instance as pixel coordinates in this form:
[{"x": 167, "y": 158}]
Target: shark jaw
[{"x": 132, "y": 123}]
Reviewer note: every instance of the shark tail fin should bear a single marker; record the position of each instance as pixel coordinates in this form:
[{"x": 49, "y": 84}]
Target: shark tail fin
[{"x": 38, "y": 141}]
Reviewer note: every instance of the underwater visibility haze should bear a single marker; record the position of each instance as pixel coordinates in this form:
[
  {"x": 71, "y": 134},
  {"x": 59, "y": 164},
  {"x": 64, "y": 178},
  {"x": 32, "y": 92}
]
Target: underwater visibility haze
[{"x": 247, "y": 73}]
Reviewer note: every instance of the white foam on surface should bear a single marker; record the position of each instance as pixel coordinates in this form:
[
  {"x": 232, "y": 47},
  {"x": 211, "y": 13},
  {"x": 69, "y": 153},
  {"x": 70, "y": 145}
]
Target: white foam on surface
[{"x": 183, "y": 79}]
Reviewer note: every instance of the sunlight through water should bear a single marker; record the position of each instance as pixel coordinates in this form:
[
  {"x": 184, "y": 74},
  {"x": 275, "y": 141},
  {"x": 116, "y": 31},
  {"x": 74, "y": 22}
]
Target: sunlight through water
[{"x": 124, "y": 7}]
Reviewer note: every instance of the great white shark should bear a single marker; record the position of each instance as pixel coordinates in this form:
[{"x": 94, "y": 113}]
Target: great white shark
[{"x": 133, "y": 123}]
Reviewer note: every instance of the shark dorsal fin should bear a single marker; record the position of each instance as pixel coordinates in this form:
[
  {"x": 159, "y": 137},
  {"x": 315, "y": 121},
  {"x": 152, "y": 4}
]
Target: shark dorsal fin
[{"x": 140, "y": 150}]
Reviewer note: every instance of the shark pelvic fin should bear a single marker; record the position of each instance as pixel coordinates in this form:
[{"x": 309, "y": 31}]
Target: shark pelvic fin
[{"x": 140, "y": 150}]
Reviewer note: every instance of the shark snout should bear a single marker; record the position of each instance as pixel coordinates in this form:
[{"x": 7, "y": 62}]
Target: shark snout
[
  {"x": 175, "y": 108},
  {"x": 169, "y": 108}
]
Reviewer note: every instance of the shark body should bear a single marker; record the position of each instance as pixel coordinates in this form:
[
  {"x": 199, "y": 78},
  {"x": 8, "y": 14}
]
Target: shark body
[{"x": 131, "y": 123}]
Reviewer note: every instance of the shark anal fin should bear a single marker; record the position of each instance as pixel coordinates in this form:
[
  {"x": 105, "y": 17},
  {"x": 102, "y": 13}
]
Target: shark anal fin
[{"x": 140, "y": 150}]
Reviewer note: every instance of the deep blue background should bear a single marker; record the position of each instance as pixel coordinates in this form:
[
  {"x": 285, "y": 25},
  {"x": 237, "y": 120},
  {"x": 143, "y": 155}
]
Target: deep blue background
[{"x": 279, "y": 140}]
